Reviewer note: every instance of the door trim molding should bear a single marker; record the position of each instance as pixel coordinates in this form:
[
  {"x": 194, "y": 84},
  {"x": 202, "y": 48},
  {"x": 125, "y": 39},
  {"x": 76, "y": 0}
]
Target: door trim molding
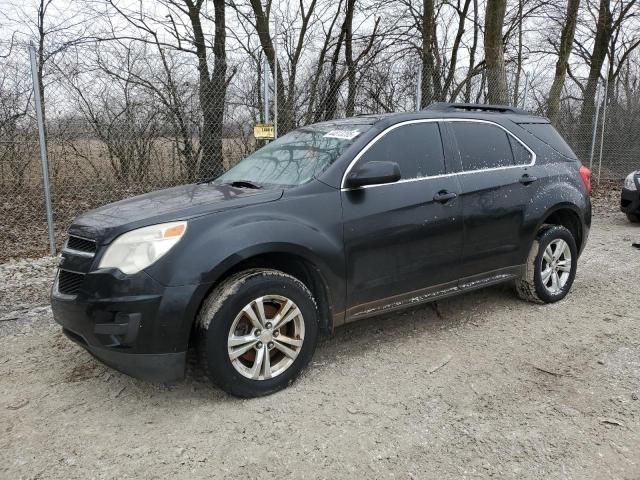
[{"x": 429, "y": 294}]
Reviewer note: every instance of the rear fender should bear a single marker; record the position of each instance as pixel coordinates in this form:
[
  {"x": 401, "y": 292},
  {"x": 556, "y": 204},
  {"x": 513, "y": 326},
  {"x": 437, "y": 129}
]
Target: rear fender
[{"x": 552, "y": 198}]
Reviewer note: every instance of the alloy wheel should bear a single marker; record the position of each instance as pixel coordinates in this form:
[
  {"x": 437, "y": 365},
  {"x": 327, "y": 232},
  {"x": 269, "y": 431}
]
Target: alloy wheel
[
  {"x": 266, "y": 337},
  {"x": 556, "y": 266}
]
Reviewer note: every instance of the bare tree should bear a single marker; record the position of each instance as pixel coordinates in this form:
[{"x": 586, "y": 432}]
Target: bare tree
[
  {"x": 52, "y": 32},
  {"x": 596, "y": 60},
  {"x": 122, "y": 117},
  {"x": 286, "y": 119},
  {"x": 316, "y": 100},
  {"x": 17, "y": 150},
  {"x": 183, "y": 30},
  {"x": 564, "y": 52}
]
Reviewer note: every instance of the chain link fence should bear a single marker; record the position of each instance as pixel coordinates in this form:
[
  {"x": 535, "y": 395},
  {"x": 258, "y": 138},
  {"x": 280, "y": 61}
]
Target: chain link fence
[
  {"x": 138, "y": 123},
  {"x": 22, "y": 207}
]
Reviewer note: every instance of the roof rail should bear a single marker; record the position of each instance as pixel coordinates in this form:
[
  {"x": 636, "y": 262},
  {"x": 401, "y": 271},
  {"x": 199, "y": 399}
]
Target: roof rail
[{"x": 474, "y": 107}]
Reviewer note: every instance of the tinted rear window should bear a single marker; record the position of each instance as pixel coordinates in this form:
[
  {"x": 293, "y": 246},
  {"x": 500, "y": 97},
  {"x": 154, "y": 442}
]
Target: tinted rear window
[
  {"x": 550, "y": 136},
  {"x": 482, "y": 146}
]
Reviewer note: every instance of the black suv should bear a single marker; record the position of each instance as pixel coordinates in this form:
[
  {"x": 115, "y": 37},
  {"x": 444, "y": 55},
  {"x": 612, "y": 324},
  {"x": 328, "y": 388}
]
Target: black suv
[{"x": 330, "y": 223}]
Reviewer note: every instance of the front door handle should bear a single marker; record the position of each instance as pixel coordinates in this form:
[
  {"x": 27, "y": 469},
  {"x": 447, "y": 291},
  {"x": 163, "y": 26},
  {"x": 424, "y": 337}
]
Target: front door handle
[
  {"x": 526, "y": 179},
  {"x": 443, "y": 196}
]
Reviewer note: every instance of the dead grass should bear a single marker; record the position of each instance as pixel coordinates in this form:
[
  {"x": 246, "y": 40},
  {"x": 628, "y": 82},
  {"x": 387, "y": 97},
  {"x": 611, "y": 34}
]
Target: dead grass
[{"x": 83, "y": 178}]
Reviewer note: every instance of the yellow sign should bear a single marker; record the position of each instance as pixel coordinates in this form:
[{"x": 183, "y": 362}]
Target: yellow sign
[{"x": 263, "y": 131}]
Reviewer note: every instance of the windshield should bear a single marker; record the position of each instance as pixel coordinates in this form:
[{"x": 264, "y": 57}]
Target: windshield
[{"x": 296, "y": 157}]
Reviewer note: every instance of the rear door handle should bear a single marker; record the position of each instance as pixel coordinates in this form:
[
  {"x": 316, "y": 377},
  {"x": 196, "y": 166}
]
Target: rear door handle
[
  {"x": 526, "y": 179},
  {"x": 443, "y": 196}
]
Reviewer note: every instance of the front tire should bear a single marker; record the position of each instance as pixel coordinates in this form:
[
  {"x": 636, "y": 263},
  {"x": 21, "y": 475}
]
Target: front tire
[
  {"x": 258, "y": 331},
  {"x": 551, "y": 266},
  {"x": 633, "y": 217}
]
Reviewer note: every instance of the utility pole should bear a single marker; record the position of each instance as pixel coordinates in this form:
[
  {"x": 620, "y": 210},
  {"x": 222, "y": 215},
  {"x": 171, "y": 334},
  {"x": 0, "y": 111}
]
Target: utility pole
[{"x": 265, "y": 81}]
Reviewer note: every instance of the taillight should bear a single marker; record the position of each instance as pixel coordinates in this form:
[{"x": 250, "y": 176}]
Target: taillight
[{"x": 585, "y": 174}]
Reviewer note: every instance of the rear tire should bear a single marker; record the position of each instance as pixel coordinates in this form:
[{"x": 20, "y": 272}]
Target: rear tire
[
  {"x": 258, "y": 331},
  {"x": 551, "y": 266},
  {"x": 633, "y": 217}
]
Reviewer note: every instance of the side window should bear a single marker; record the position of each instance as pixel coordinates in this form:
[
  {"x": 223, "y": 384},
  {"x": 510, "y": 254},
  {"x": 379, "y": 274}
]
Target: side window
[
  {"x": 416, "y": 148},
  {"x": 482, "y": 145},
  {"x": 521, "y": 155}
]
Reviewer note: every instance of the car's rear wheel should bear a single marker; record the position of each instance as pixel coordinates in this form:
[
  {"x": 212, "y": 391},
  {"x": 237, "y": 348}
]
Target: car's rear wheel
[
  {"x": 258, "y": 331},
  {"x": 633, "y": 217},
  {"x": 551, "y": 266}
]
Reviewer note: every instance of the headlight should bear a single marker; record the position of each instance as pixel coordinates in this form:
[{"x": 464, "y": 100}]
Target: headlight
[
  {"x": 629, "y": 182},
  {"x": 137, "y": 249}
]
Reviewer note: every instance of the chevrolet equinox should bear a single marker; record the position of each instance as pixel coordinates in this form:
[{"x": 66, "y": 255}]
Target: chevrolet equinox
[{"x": 330, "y": 223}]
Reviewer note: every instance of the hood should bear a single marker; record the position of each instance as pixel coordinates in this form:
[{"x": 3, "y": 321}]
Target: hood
[{"x": 170, "y": 204}]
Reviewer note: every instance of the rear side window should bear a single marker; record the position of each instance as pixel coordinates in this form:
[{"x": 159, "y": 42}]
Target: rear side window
[
  {"x": 550, "y": 136},
  {"x": 521, "y": 155},
  {"x": 482, "y": 146},
  {"x": 416, "y": 148}
]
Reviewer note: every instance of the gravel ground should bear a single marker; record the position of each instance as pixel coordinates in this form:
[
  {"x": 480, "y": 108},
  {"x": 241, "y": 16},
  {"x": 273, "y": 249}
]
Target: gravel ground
[{"x": 483, "y": 385}]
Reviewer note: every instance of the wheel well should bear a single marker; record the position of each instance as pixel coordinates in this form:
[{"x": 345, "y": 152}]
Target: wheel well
[
  {"x": 568, "y": 219},
  {"x": 297, "y": 267}
]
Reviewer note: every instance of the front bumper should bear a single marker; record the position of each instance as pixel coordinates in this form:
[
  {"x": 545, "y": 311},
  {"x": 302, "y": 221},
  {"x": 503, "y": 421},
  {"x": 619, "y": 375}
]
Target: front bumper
[
  {"x": 630, "y": 201},
  {"x": 131, "y": 323},
  {"x": 153, "y": 367}
]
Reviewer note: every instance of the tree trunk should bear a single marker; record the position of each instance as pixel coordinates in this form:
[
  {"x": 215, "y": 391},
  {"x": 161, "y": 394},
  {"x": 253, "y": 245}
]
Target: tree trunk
[
  {"x": 472, "y": 53},
  {"x": 462, "y": 18},
  {"x": 330, "y": 103},
  {"x": 348, "y": 53},
  {"x": 428, "y": 21},
  {"x": 494, "y": 52},
  {"x": 212, "y": 90},
  {"x": 516, "y": 83},
  {"x": 598, "y": 55},
  {"x": 314, "y": 103},
  {"x": 564, "y": 52}
]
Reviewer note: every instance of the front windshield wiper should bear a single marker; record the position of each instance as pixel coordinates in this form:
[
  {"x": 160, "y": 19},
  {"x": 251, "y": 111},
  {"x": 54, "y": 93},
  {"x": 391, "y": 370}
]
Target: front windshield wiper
[{"x": 243, "y": 184}]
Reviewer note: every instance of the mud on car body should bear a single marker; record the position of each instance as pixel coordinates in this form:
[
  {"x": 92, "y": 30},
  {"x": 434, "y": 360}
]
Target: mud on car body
[{"x": 330, "y": 223}]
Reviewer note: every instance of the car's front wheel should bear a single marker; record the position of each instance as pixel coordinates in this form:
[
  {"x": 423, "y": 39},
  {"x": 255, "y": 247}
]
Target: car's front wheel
[
  {"x": 258, "y": 331},
  {"x": 551, "y": 266},
  {"x": 633, "y": 217}
]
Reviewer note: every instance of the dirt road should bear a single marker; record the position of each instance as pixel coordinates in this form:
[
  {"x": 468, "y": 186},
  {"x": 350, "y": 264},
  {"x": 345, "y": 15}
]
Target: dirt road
[{"x": 484, "y": 386}]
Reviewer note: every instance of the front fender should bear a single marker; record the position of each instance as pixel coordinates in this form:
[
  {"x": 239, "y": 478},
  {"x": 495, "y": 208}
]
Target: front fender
[{"x": 308, "y": 226}]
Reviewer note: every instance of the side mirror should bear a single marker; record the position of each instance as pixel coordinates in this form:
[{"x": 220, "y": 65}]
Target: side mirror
[{"x": 373, "y": 173}]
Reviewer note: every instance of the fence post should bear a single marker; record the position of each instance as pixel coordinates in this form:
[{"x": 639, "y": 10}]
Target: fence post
[
  {"x": 604, "y": 122},
  {"x": 419, "y": 88},
  {"x": 266, "y": 89},
  {"x": 595, "y": 127},
  {"x": 526, "y": 90},
  {"x": 43, "y": 148}
]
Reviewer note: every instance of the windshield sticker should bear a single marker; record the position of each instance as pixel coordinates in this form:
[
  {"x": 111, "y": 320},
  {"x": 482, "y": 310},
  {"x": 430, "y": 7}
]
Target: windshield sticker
[{"x": 343, "y": 134}]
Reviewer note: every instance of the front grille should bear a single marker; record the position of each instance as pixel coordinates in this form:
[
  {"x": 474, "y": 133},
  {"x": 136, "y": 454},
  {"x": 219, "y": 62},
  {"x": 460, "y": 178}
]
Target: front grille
[
  {"x": 81, "y": 244},
  {"x": 69, "y": 282}
]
